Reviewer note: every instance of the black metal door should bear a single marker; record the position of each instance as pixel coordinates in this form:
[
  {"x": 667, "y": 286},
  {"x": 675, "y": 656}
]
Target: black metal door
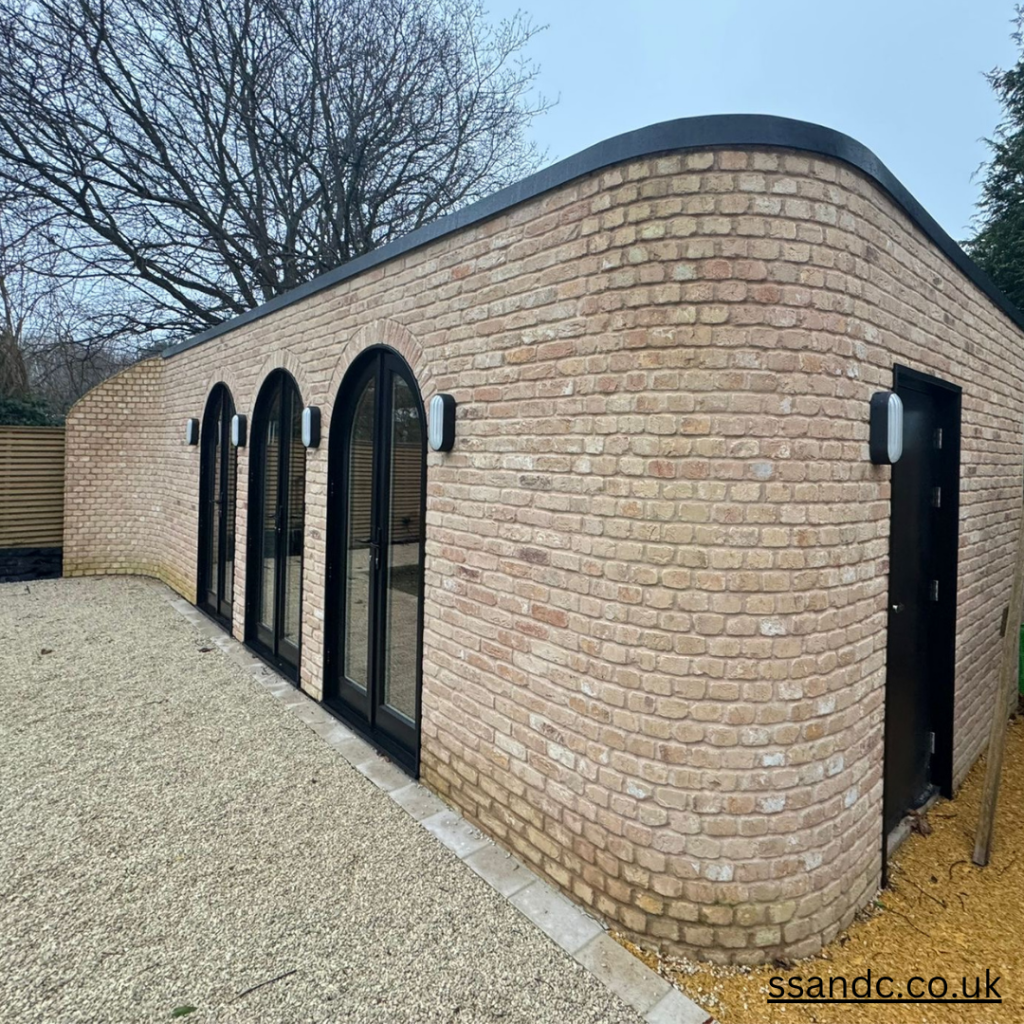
[
  {"x": 276, "y": 525},
  {"x": 922, "y": 596},
  {"x": 218, "y": 473},
  {"x": 375, "y": 563}
]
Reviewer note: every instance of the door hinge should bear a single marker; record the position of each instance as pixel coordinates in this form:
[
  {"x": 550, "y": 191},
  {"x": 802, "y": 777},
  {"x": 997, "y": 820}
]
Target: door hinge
[
  {"x": 936, "y": 497},
  {"x": 931, "y": 743},
  {"x": 938, "y": 437},
  {"x": 933, "y": 591}
]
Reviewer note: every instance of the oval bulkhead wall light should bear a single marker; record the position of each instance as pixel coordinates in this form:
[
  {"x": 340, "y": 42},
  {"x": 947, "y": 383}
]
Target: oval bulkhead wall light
[
  {"x": 441, "y": 425},
  {"x": 311, "y": 426},
  {"x": 885, "y": 432},
  {"x": 238, "y": 430},
  {"x": 191, "y": 431}
]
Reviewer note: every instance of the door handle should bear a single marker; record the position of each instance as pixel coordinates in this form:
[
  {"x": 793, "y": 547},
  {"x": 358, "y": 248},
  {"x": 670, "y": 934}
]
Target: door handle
[
  {"x": 375, "y": 547},
  {"x": 897, "y": 608}
]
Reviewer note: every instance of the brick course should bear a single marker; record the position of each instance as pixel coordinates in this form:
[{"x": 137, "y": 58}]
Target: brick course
[{"x": 656, "y": 576}]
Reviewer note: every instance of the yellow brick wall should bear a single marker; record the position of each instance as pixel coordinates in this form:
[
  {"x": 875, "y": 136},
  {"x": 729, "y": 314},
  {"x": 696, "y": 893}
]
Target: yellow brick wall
[{"x": 656, "y": 578}]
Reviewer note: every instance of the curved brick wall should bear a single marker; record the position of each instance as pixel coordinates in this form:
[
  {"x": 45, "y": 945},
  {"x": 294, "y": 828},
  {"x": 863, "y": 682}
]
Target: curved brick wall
[{"x": 657, "y": 556}]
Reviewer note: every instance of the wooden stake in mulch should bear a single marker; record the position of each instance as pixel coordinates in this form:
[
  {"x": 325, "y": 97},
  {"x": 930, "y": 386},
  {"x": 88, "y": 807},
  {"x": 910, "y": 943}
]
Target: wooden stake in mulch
[{"x": 997, "y": 738}]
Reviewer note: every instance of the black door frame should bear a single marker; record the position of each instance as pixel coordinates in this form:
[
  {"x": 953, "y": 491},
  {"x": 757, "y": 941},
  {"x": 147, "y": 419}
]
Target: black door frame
[
  {"x": 340, "y": 694},
  {"x": 942, "y": 666},
  {"x": 220, "y": 398},
  {"x": 269, "y": 647}
]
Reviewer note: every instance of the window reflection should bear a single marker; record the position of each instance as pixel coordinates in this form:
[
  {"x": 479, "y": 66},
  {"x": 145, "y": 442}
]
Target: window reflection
[{"x": 358, "y": 536}]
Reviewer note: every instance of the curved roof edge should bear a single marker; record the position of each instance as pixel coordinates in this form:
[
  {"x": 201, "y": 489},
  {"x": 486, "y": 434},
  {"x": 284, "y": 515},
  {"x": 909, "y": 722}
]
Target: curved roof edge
[{"x": 688, "y": 133}]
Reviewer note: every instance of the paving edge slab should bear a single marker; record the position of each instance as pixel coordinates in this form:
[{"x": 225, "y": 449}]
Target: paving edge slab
[{"x": 569, "y": 926}]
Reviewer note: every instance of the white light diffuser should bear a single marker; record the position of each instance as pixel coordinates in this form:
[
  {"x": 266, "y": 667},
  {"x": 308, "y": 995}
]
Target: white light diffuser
[
  {"x": 885, "y": 429},
  {"x": 238, "y": 430},
  {"x": 311, "y": 426},
  {"x": 441, "y": 425}
]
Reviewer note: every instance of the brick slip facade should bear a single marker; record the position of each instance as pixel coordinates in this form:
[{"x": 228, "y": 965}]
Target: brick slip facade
[{"x": 656, "y": 576}]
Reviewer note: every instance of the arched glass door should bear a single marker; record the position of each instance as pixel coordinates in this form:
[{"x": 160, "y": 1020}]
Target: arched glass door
[
  {"x": 377, "y": 471},
  {"x": 218, "y": 474},
  {"x": 277, "y": 487}
]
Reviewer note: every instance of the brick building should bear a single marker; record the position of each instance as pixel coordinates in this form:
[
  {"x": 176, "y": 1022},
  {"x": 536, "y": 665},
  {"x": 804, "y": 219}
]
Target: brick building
[{"x": 644, "y": 621}]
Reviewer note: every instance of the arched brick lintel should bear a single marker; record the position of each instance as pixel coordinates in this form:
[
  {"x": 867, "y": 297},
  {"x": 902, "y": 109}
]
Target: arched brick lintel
[
  {"x": 391, "y": 334},
  {"x": 278, "y": 360}
]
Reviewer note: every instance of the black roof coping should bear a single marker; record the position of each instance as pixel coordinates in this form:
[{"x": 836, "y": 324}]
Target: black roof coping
[{"x": 688, "y": 133}]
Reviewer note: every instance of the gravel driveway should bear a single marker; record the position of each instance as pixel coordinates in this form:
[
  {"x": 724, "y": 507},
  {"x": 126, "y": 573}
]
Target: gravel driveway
[{"x": 171, "y": 836}]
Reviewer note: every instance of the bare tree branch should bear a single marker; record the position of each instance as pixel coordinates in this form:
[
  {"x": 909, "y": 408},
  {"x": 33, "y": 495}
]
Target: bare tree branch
[{"x": 203, "y": 156}]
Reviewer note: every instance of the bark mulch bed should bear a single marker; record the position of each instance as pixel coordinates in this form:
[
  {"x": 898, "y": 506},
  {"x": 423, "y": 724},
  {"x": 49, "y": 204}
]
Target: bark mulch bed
[{"x": 941, "y": 916}]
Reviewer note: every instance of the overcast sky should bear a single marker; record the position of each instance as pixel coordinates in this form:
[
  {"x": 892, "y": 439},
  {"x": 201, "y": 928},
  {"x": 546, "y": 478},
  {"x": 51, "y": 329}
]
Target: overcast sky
[{"x": 904, "y": 77}]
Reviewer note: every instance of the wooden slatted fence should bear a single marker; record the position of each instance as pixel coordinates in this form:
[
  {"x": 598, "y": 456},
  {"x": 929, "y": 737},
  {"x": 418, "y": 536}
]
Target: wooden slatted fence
[{"x": 31, "y": 487}]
